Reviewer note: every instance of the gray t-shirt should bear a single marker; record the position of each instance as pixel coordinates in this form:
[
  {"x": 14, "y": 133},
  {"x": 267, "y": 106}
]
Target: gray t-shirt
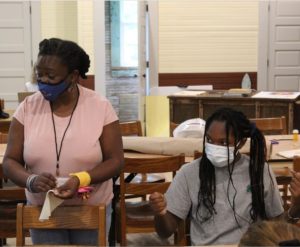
[{"x": 222, "y": 228}]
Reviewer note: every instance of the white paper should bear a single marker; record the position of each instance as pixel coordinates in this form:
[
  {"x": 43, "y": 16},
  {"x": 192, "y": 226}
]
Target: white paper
[
  {"x": 277, "y": 95},
  {"x": 289, "y": 154},
  {"x": 51, "y": 202},
  {"x": 189, "y": 93},
  {"x": 199, "y": 87}
]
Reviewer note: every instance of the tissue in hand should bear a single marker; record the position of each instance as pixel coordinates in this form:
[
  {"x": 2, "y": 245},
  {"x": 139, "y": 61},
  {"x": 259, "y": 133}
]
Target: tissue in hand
[{"x": 61, "y": 180}]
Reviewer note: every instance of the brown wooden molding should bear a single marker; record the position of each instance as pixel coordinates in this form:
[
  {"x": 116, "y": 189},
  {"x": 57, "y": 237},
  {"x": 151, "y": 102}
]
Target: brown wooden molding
[
  {"x": 89, "y": 82},
  {"x": 219, "y": 81}
]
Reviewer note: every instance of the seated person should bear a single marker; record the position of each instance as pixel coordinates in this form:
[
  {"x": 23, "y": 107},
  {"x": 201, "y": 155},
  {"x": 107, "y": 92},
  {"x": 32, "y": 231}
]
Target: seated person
[
  {"x": 271, "y": 233},
  {"x": 225, "y": 191}
]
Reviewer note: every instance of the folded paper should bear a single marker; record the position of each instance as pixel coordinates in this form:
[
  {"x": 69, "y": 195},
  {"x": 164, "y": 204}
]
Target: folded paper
[
  {"x": 51, "y": 203},
  {"x": 289, "y": 154}
]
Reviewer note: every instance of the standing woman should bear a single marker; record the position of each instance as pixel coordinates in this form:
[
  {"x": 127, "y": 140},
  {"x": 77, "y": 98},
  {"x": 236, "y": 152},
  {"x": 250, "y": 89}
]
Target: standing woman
[
  {"x": 64, "y": 130},
  {"x": 225, "y": 191}
]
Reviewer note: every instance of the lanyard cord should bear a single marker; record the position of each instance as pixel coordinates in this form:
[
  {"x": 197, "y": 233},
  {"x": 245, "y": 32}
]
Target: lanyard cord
[{"x": 54, "y": 129}]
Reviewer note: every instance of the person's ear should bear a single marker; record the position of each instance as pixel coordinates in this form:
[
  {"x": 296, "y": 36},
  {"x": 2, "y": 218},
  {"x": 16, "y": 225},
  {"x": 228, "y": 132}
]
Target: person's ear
[{"x": 242, "y": 143}]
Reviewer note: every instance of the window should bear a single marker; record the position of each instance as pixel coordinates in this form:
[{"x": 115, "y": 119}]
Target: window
[{"x": 124, "y": 38}]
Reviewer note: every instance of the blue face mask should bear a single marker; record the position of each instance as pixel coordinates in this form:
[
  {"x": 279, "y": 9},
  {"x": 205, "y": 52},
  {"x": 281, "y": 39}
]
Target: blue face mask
[{"x": 52, "y": 91}]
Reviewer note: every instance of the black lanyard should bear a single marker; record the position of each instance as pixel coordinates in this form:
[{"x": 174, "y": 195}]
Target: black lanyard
[{"x": 54, "y": 129}]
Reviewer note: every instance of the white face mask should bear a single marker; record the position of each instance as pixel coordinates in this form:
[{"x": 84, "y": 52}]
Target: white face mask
[{"x": 218, "y": 155}]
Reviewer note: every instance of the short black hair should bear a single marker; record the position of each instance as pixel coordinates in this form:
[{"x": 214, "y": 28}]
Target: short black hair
[{"x": 71, "y": 54}]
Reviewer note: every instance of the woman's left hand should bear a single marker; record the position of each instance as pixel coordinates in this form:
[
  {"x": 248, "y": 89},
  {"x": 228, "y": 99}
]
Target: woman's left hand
[{"x": 68, "y": 189}]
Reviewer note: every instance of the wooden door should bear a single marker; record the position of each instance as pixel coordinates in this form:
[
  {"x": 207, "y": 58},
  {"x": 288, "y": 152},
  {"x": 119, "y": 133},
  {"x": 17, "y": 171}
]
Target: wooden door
[
  {"x": 284, "y": 45},
  {"x": 15, "y": 49}
]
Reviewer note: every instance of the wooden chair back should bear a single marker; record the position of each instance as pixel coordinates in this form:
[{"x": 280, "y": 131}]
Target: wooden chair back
[
  {"x": 2, "y": 177},
  {"x": 3, "y": 138},
  {"x": 296, "y": 163},
  {"x": 173, "y": 126},
  {"x": 143, "y": 165},
  {"x": 197, "y": 154},
  {"x": 1, "y": 104},
  {"x": 274, "y": 125},
  {"x": 181, "y": 238},
  {"x": 9, "y": 197},
  {"x": 283, "y": 178},
  {"x": 23, "y": 95},
  {"x": 132, "y": 128},
  {"x": 65, "y": 217}
]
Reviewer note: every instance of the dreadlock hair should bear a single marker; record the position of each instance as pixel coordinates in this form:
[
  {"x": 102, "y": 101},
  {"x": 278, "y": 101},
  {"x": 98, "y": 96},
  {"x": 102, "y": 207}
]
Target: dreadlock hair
[
  {"x": 237, "y": 124},
  {"x": 71, "y": 54}
]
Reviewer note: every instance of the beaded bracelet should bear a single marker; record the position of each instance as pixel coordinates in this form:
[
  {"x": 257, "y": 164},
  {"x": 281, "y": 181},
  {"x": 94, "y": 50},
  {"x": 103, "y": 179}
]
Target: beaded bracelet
[
  {"x": 29, "y": 182},
  {"x": 291, "y": 217}
]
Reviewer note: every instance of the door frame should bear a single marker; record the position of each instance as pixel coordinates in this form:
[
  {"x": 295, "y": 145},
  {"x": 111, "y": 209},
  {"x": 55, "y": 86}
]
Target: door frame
[
  {"x": 263, "y": 46},
  {"x": 35, "y": 30},
  {"x": 153, "y": 42},
  {"x": 99, "y": 49}
]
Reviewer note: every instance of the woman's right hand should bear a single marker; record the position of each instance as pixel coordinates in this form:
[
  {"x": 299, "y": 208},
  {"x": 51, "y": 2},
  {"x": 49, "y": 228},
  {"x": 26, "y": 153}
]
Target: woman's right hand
[
  {"x": 44, "y": 182},
  {"x": 158, "y": 203}
]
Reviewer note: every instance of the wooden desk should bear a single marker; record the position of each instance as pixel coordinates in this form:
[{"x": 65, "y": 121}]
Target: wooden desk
[
  {"x": 284, "y": 143},
  {"x": 146, "y": 156},
  {"x": 203, "y": 105},
  {"x": 5, "y": 123}
]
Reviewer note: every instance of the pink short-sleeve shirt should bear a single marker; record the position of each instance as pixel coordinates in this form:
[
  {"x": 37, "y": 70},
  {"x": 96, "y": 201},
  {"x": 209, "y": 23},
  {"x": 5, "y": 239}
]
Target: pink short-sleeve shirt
[{"x": 81, "y": 148}]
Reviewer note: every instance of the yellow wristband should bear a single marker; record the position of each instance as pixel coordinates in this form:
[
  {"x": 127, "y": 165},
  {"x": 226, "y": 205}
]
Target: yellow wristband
[{"x": 84, "y": 178}]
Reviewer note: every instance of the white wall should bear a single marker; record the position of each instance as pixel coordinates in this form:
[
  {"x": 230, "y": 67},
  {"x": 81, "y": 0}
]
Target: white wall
[
  {"x": 207, "y": 36},
  {"x": 59, "y": 19}
]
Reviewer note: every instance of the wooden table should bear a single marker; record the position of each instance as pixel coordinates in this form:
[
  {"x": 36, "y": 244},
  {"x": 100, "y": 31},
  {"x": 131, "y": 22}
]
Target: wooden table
[
  {"x": 184, "y": 107},
  {"x": 284, "y": 143},
  {"x": 128, "y": 154},
  {"x": 5, "y": 123}
]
